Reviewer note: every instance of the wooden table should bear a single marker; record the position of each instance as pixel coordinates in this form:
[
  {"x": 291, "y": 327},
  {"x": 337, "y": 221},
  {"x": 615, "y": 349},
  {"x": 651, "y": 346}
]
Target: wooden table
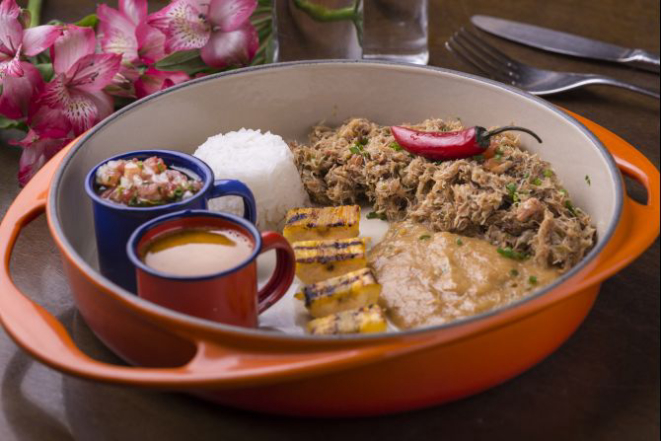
[{"x": 603, "y": 384}]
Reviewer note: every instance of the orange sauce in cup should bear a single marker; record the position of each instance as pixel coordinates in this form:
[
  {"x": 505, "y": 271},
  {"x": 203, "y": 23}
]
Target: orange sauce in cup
[{"x": 197, "y": 252}]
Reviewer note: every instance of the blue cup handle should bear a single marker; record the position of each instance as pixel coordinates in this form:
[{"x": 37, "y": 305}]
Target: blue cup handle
[{"x": 232, "y": 187}]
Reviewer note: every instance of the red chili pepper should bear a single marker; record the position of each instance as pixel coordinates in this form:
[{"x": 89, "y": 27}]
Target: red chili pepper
[{"x": 449, "y": 145}]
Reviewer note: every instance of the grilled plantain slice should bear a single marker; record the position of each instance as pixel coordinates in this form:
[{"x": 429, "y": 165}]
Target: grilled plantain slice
[
  {"x": 356, "y": 321},
  {"x": 318, "y": 260},
  {"x": 322, "y": 223},
  {"x": 349, "y": 291}
]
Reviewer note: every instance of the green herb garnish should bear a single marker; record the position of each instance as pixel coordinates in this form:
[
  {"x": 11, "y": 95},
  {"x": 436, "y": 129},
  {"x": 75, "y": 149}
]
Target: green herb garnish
[
  {"x": 512, "y": 192},
  {"x": 537, "y": 181},
  {"x": 532, "y": 280},
  {"x": 479, "y": 158},
  {"x": 357, "y": 149},
  {"x": 563, "y": 191},
  {"x": 375, "y": 215},
  {"x": 395, "y": 146},
  {"x": 514, "y": 273},
  {"x": 569, "y": 206},
  {"x": 511, "y": 254},
  {"x": 362, "y": 141},
  {"x": 424, "y": 237},
  {"x": 588, "y": 180},
  {"x": 548, "y": 173}
]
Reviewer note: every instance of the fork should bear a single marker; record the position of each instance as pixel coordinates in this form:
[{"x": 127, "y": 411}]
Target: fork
[{"x": 498, "y": 66}]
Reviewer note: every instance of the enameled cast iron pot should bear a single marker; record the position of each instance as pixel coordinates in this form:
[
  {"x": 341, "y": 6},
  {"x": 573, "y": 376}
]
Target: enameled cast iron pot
[{"x": 302, "y": 375}]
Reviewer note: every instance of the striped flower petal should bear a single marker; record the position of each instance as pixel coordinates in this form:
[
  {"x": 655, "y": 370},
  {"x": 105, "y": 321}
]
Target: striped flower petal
[
  {"x": 184, "y": 25},
  {"x": 134, "y": 10},
  {"x": 151, "y": 43},
  {"x": 93, "y": 72},
  {"x": 117, "y": 33},
  {"x": 73, "y": 43},
  {"x": 231, "y": 48},
  {"x": 38, "y": 39},
  {"x": 230, "y": 15},
  {"x": 11, "y": 66},
  {"x": 18, "y": 91},
  {"x": 11, "y": 30}
]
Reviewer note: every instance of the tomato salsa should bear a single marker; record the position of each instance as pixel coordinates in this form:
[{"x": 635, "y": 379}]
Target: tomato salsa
[{"x": 145, "y": 183}]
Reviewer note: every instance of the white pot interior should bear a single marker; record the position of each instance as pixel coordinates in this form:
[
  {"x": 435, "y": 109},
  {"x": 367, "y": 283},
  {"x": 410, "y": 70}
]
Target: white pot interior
[{"x": 289, "y": 99}]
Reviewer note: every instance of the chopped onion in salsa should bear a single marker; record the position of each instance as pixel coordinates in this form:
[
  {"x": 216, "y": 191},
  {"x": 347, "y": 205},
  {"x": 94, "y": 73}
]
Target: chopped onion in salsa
[{"x": 145, "y": 183}]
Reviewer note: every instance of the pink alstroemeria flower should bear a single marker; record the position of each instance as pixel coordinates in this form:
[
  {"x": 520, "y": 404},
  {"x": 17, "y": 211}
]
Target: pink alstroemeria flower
[
  {"x": 36, "y": 151},
  {"x": 126, "y": 32},
  {"x": 76, "y": 90},
  {"x": 20, "y": 80},
  {"x": 154, "y": 80},
  {"x": 221, "y": 29}
]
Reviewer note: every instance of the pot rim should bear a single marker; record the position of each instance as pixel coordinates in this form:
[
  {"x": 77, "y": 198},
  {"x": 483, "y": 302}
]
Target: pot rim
[{"x": 148, "y": 308}]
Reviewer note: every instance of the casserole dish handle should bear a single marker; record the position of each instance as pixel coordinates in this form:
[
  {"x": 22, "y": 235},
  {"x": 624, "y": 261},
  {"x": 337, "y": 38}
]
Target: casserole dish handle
[
  {"x": 639, "y": 225},
  {"x": 40, "y": 333}
]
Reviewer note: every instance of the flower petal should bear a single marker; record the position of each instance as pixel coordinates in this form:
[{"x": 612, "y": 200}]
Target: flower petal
[
  {"x": 11, "y": 66},
  {"x": 48, "y": 121},
  {"x": 93, "y": 72},
  {"x": 117, "y": 33},
  {"x": 81, "y": 112},
  {"x": 155, "y": 80},
  {"x": 17, "y": 92},
  {"x": 134, "y": 10},
  {"x": 73, "y": 43},
  {"x": 151, "y": 43},
  {"x": 104, "y": 105},
  {"x": 230, "y": 15},
  {"x": 11, "y": 31},
  {"x": 231, "y": 48},
  {"x": 36, "y": 151},
  {"x": 184, "y": 26},
  {"x": 37, "y": 40}
]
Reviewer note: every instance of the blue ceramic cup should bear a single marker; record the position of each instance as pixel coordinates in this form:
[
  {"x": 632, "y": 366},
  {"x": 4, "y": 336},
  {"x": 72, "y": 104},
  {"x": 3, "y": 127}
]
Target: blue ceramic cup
[{"x": 114, "y": 222}]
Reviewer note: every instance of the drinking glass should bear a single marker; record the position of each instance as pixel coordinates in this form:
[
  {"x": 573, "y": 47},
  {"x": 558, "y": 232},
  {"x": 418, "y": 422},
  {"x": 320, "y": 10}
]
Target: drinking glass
[
  {"x": 302, "y": 37},
  {"x": 393, "y": 30}
]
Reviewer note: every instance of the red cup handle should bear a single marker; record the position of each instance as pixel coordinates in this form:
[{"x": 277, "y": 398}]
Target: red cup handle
[{"x": 283, "y": 276}]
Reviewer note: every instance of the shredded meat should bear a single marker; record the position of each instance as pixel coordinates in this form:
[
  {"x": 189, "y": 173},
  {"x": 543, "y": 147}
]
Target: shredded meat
[{"x": 512, "y": 199}]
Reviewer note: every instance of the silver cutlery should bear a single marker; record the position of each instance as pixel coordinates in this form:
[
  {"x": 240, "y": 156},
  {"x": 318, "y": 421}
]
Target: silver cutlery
[
  {"x": 564, "y": 43},
  {"x": 500, "y": 67}
]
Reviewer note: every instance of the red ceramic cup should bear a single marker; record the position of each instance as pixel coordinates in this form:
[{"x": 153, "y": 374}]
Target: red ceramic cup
[{"x": 229, "y": 296}]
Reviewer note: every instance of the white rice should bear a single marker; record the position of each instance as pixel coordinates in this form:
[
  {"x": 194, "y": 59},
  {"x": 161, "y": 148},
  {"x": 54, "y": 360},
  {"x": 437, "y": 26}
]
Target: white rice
[{"x": 265, "y": 164}]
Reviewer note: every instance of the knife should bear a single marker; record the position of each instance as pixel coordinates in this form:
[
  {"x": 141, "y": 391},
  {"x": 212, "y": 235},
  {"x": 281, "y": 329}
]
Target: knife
[{"x": 568, "y": 44}]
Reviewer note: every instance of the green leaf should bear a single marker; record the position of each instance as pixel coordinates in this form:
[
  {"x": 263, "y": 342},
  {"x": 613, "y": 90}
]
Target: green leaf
[
  {"x": 46, "y": 70},
  {"x": 89, "y": 21},
  {"x": 186, "y": 61},
  {"x": 9, "y": 124},
  {"x": 512, "y": 254}
]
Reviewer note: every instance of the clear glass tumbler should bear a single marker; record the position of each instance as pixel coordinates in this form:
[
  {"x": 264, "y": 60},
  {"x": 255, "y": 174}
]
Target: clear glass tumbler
[
  {"x": 308, "y": 34},
  {"x": 393, "y": 30},
  {"x": 396, "y": 30}
]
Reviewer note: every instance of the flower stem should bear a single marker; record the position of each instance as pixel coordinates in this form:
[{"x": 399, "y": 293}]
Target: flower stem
[
  {"x": 34, "y": 7},
  {"x": 322, "y": 13}
]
